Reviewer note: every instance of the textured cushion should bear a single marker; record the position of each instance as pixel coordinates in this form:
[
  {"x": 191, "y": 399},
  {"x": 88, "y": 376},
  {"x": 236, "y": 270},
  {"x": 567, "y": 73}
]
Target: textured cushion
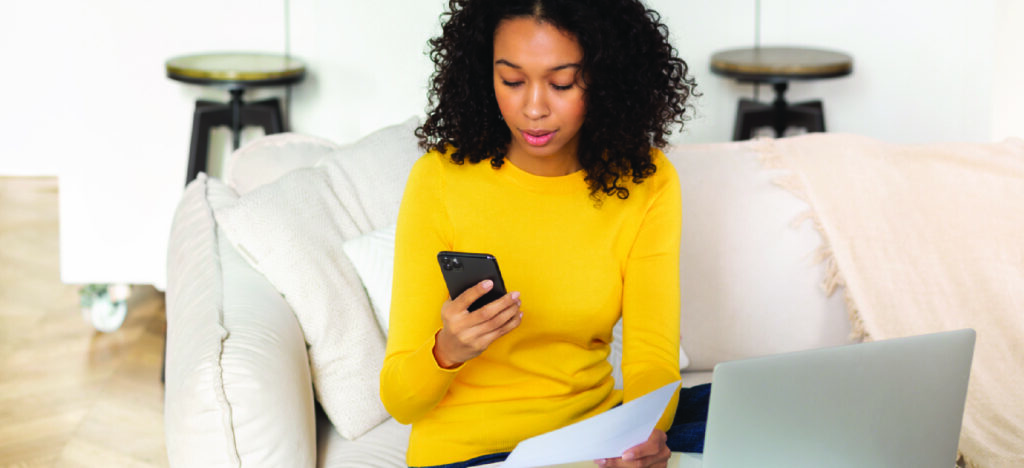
[
  {"x": 371, "y": 173},
  {"x": 751, "y": 283},
  {"x": 264, "y": 160},
  {"x": 292, "y": 231}
]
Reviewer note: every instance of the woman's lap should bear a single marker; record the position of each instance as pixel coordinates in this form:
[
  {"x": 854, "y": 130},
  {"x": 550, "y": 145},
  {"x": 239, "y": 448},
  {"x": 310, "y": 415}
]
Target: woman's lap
[
  {"x": 685, "y": 435},
  {"x": 481, "y": 460}
]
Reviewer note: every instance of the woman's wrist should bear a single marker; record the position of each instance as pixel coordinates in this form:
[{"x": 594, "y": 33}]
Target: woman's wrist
[{"x": 439, "y": 355}]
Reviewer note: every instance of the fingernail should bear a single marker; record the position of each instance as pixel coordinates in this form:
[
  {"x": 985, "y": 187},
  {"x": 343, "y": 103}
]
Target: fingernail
[
  {"x": 487, "y": 284},
  {"x": 515, "y": 294},
  {"x": 627, "y": 456},
  {"x": 600, "y": 462}
]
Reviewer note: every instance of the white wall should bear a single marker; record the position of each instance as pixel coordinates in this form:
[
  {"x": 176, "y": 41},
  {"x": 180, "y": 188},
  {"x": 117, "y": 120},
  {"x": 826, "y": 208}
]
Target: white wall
[
  {"x": 367, "y": 69},
  {"x": 1008, "y": 71},
  {"x": 86, "y": 96},
  {"x": 922, "y": 68}
]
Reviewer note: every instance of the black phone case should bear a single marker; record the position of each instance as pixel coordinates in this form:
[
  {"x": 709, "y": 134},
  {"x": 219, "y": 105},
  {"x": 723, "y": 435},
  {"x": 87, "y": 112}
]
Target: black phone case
[{"x": 462, "y": 270}]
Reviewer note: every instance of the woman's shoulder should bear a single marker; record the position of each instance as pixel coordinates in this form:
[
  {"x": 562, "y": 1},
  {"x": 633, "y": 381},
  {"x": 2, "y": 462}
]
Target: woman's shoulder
[
  {"x": 433, "y": 161},
  {"x": 438, "y": 166},
  {"x": 435, "y": 155},
  {"x": 661, "y": 161},
  {"x": 440, "y": 162},
  {"x": 665, "y": 176}
]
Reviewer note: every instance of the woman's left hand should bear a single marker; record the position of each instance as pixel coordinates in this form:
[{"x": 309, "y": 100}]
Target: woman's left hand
[{"x": 653, "y": 453}]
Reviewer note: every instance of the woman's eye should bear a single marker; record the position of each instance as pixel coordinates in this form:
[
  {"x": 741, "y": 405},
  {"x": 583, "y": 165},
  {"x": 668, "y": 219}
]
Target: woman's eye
[
  {"x": 511, "y": 84},
  {"x": 562, "y": 88}
]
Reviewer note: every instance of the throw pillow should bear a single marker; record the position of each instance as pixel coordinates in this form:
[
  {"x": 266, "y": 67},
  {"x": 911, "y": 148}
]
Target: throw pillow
[
  {"x": 373, "y": 256},
  {"x": 265, "y": 159},
  {"x": 292, "y": 232},
  {"x": 372, "y": 173}
]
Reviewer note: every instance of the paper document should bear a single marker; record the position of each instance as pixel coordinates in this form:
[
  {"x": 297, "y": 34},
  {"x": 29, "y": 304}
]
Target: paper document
[{"x": 606, "y": 435}]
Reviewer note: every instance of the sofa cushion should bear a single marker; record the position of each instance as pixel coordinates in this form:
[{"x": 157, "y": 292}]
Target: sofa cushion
[
  {"x": 292, "y": 231},
  {"x": 750, "y": 281},
  {"x": 381, "y": 447}
]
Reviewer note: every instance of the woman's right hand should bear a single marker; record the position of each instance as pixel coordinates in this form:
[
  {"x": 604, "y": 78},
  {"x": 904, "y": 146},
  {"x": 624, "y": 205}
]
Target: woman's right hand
[{"x": 467, "y": 334}]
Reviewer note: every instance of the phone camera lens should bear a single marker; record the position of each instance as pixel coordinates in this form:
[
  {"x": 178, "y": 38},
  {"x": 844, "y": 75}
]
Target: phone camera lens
[{"x": 456, "y": 264}]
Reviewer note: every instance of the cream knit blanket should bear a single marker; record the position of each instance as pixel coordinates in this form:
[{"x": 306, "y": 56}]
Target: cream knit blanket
[{"x": 927, "y": 238}]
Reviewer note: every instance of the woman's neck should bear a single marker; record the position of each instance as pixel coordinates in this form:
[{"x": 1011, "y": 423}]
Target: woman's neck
[{"x": 545, "y": 166}]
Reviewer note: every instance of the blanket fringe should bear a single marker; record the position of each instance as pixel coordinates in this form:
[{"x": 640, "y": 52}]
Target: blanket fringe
[{"x": 833, "y": 280}]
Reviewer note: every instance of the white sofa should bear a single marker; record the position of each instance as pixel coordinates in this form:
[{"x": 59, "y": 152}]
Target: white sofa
[{"x": 238, "y": 381}]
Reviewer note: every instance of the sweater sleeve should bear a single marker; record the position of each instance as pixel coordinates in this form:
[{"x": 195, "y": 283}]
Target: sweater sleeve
[
  {"x": 411, "y": 381},
  {"x": 650, "y": 301}
]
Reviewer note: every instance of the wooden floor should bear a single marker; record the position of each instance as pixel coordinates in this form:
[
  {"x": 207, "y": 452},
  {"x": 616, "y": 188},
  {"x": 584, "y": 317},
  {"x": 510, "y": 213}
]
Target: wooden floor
[{"x": 70, "y": 396}]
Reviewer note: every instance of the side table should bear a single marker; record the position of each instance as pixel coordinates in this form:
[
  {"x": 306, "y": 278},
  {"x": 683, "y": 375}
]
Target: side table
[
  {"x": 235, "y": 71},
  {"x": 778, "y": 66}
]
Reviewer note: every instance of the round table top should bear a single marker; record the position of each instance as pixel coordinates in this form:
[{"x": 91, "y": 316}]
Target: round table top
[
  {"x": 778, "y": 64},
  {"x": 236, "y": 69}
]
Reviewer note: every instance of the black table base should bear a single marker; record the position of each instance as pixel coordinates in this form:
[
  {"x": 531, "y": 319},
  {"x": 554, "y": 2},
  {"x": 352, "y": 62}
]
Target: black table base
[
  {"x": 779, "y": 115},
  {"x": 235, "y": 115}
]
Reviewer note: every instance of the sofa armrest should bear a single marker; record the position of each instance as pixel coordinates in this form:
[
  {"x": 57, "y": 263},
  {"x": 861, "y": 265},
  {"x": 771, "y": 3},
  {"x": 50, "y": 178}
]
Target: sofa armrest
[
  {"x": 238, "y": 389},
  {"x": 266, "y": 370}
]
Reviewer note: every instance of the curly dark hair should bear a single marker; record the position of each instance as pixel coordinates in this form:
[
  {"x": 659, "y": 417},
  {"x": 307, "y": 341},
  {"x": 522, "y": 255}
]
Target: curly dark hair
[{"x": 635, "y": 87}]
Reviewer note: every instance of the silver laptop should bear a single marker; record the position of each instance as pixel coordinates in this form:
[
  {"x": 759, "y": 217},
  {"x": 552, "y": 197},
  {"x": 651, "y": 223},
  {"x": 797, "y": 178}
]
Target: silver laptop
[{"x": 892, "y": 403}]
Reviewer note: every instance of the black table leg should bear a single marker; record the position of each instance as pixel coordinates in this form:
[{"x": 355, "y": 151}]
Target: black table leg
[
  {"x": 206, "y": 116},
  {"x": 235, "y": 115},
  {"x": 810, "y": 115},
  {"x": 779, "y": 115},
  {"x": 266, "y": 114},
  {"x": 779, "y": 109},
  {"x": 750, "y": 115}
]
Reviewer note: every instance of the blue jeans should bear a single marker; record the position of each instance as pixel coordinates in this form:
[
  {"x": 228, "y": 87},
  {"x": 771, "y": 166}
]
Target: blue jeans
[
  {"x": 687, "y": 431},
  {"x": 685, "y": 435}
]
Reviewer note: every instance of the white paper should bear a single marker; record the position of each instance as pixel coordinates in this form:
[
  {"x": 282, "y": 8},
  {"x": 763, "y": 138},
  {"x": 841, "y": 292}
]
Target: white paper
[{"x": 606, "y": 435}]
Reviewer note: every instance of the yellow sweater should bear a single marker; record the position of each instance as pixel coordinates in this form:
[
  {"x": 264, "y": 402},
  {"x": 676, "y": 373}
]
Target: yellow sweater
[{"x": 578, "y": 267}]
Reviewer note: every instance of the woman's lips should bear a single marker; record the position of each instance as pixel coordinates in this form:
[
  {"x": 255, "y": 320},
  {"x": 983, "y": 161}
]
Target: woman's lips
[{"x": 537, "y": 138}]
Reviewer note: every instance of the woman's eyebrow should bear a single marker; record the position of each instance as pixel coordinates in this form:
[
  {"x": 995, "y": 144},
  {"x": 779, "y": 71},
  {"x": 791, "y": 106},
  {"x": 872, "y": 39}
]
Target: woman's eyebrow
[{"x": 517, "y": 67}]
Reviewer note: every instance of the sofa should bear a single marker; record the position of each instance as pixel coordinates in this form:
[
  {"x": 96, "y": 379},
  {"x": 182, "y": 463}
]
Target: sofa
[{"x": 247, "y": 383}]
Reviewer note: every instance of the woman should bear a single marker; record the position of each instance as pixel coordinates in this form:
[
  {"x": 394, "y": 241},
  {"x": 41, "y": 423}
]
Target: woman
[{"x": 563, "y": 99}]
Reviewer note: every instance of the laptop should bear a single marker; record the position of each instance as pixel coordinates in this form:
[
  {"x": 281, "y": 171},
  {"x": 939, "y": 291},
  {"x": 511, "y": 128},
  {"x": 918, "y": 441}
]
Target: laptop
[{"x": 892, "y": 403}]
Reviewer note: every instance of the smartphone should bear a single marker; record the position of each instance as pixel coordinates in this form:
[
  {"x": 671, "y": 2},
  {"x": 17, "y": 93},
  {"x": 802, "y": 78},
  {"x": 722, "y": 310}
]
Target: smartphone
[{"x": 463, "y": 270}]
